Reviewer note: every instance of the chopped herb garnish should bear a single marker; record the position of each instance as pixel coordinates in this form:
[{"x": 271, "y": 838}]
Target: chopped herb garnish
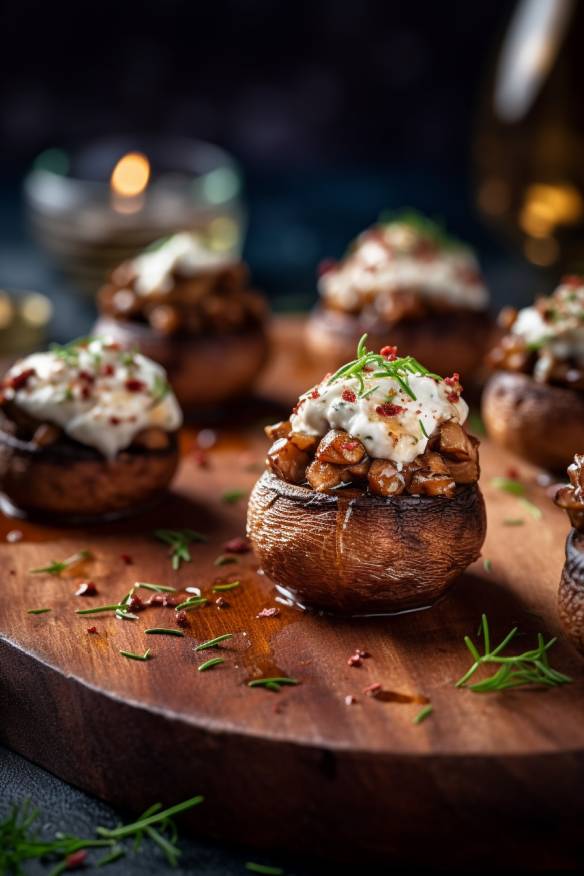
[
  {"x": 208, "y": 664},
  {"x": 56, "y": 567},
  {"x": 508, "y": 485},
  {"x": 264, "y": 869},
  {"x": 422, "y": 430},
  {"x": 272, "y": 683},
  {"x": 487, "y": 565},
  {"x": 179, "y": 541},
  {"x": 225, "y": 560},
  {"x": 38, "y": 610},
  {"x": 192, "y": 602},
  {"x": 430, "y": 229},
  {"x": 523, "y": 670},
  {"x": 164, "y": 631},
  {"x": 230, "y": 585},
  {"x": 423, "y": 714},
  {"x": 158, "y": 588},
  {"x": 113, "y": 607},
  {"x": 513, "y": 521},
  {"x": 115, "y": 855},
  {"x": 213, "y": 643},
  {"x": 131, "y": 655},
  {"x": 233, "y": 496},
  {"x": 160, "y": 389}
]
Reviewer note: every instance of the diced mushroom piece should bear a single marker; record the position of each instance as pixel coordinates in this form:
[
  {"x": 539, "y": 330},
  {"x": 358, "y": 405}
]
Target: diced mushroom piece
[
  {"x": 339, "y": 448},
  {"x": 278, "y": 430},
  {"x": 455, "y": 442},
  {"x": 360, "y": 470},
  {"x": 287, "y": 461},
  {"x": 304, "y": 442},
  {"x": 431, "y": 476},
  {"x": 465, "y": 471},
  {"x": 386, "y": 480},
  {"x": 46, "y": 434},
  {"x": 325, "y": 475},
  {"x": 151, "y": 439}
]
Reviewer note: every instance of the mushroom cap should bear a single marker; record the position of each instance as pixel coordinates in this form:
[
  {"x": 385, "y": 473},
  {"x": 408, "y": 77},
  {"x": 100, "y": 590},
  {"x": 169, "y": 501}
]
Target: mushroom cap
[
  {"x": 203, "y": 369},
  {"x": 439, "y": 340},
  {"x": 571, "y": 593},
  {"x": 539, "y": 422},
  {"x": 355, "y": 554}
]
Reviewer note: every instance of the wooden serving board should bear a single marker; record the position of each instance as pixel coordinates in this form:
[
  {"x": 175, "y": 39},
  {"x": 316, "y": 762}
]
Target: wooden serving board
[{"x": 484, "y": 779}]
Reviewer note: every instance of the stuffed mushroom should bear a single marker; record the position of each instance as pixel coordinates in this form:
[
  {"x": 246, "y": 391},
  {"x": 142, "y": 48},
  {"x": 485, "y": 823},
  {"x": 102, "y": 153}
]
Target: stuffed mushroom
[
  {"x": 87, "y": 432},
  {"x": 534, "y": 402},
  {"x": 370, "y": 501},
  {"x": 193, "y": 311},
  {"x": 405, "y": 282},
  {"x": 571, "y": 593}
]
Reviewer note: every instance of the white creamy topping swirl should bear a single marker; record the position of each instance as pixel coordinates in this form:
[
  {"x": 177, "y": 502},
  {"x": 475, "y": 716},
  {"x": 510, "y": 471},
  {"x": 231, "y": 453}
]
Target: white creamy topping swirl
[
  {"x": 390, "y": 258},
  {"x": 395, "y": 436},
  {"x": 183, "y": 254},
  {"x": 98, "y": 394},
  {"x": 555, "y": 323}
]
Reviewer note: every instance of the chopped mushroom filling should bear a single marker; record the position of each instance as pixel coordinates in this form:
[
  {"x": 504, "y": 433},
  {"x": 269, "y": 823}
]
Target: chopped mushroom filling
[{"x": 571, "y": 497}]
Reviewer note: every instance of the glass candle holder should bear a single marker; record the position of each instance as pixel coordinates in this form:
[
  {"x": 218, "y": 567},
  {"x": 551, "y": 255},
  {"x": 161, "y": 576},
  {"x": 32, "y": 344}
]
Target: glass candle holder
[{"x": 93, "y": 207}]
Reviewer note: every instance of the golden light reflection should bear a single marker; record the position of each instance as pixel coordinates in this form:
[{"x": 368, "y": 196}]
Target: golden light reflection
[
  {"x": 131, "y": 174},
  {"x": 546, "y": 206},
  {"x": 542, "y": 252}
]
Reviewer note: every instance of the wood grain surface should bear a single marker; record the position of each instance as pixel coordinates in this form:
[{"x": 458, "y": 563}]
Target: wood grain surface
[{"x": 301, "y": 768}]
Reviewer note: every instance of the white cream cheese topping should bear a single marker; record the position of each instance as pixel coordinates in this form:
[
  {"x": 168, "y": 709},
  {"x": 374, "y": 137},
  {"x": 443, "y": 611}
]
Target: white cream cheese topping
[
  {"x": 98, "y": 394},
  {"x": 388, "y": 258},
  {"x": 397, "y": 436},
  {"x": 557, "y": 324},
  {"x": 182, "y": 253}
]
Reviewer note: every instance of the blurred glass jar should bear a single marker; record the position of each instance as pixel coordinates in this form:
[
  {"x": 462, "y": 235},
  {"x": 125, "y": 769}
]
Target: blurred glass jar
[
  {"x": 529, "y": 141},
  {"x": 93, "y": 207}
]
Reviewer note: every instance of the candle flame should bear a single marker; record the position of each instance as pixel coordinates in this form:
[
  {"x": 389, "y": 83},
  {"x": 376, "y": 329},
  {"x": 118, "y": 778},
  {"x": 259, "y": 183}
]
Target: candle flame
[{"x": 130, "y": 175}]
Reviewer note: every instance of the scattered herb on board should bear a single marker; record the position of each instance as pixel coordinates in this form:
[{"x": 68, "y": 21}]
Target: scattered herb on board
[
  {"x": 531, "y": 509},
  {"x": 56, "y": 567},
  {"x": 192, "y": 602},
  {"x": 158, "y": 588},
  {"x": 164, "y": 631},
  {"x": 264, "y": 869},
  {"x": 508, "y": 485},
  {"x": 513, "y": 521},
  {"x": 273, "y": 684},
  {"x": 179, "y": 541},
  {"x": 131, "y": 655},
  {"x": 229, "y": 585},
  {"x": 399, "y": 369},
  {"x": 208, "y": 664},
  {"x": 212, "y": 643},
  {"x": 37, "y": 610},
  {"x": 225, "y": 560},
  {"x": 487, "y": 565},
  {"x": 521, "y": 670},
  {"x": 233, "y": 496},
  {"x": 423, "y": 714},
  {"x": 116, "y": 606}
]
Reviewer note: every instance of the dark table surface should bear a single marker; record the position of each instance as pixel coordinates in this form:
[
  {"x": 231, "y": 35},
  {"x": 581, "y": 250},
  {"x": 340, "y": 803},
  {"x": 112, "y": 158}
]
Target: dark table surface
[{"x": 295, "y": 220}]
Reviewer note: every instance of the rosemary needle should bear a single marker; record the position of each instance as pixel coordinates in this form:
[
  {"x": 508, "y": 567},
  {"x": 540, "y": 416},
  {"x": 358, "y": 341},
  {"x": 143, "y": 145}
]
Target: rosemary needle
[
  {"x": 193, "y": 602},
  {"x": 114, "y": 607},
  {"x": 132, "y": 656},
  {"x": 37, "y": 610},
  {"x": 231, "y": 585},
  {"x": 164, "y": 631},
  {"x": 141, "y": 824},
  {"x": 158, "y": 588},
  {"x": 423, "y": 714},
  {"x": 264, "y": 869},
  {"x": 225, "y": 560},
  {"x": 215, "y": 661},
  {"x": 272, "y": 683},
  {"x": 212, "y": 643}
]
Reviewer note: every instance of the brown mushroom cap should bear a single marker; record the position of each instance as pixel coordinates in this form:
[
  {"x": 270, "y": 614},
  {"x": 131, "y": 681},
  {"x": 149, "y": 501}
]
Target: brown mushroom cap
[
  {"x": 439, "y": 340},
  {"x": 69, "y": 482},
  {"x": 203, "y": 370},
  {"x": 350, "y": 553},
  {"x": 571, "y": 593},
  {"x": 541, "y": 423}
]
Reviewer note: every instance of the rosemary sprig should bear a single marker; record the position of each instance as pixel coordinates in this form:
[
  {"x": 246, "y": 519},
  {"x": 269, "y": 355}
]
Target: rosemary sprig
[
  {"x": 56, "y": 566},
  {"x": 369, "y": 364},
  {"x": 212, "y": 643},
  {"x": 164, "y": 631},
  {"x": 230, "y": 585},
  {"x": 179, "y": 541},
  {"x": 208, "y": 664},
  {"x": 131, "y": 655},
  {"x": 273, "y": 684},
  {"x": 37, "y": 610},
  {"x": 526, "y": 669}
]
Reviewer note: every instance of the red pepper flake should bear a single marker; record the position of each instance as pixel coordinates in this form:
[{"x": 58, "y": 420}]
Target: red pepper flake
[
  {"x": 135, "y": 603},
  {"x": 572, "y": 280},
  {"x": 221, "y": 602},
  {"x": 182, "y": 619},
  {"x": 115, "y": 421},
  {"x": 364, "y": 655},
  {"x": 325, "y": 266},
  {"x": 127, "y": 559},
  {"x": 87, "y": 376},
  {"x": 92, "y": 630},
  {"x": 326, "y": 376},
  {"x": 108, "y": 370},
  {"x": 14, "y": 535},
  {"x": 20, "y": 380},
  {"x": 237, "y": 545},
  {"x": 135, "y": 385},
  {"x": 85, "y": 392},
  {"x": 513, "y": 473},
  {"x": 350, "y": 445},
  {"x": 86, "y": 588},
  {"x": 269, "y": 612},
  {"x": 315, "y": 393},
  {"x": 157, "y": 599},
  {"x": 389, "y": 352},
  {"x": 349, "y": 396},
  {"x": 298, "y": 405},
  {"x": 354, "y": 660},
  {"x": 113, "y": 346},
  {"x": 387, "y": 409},
  {"x": 350, "y": 700},
  {"x": 372, "y": 689},
  {"x": 75, "y": 859},
  {"x": 200, "y": 458}
]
